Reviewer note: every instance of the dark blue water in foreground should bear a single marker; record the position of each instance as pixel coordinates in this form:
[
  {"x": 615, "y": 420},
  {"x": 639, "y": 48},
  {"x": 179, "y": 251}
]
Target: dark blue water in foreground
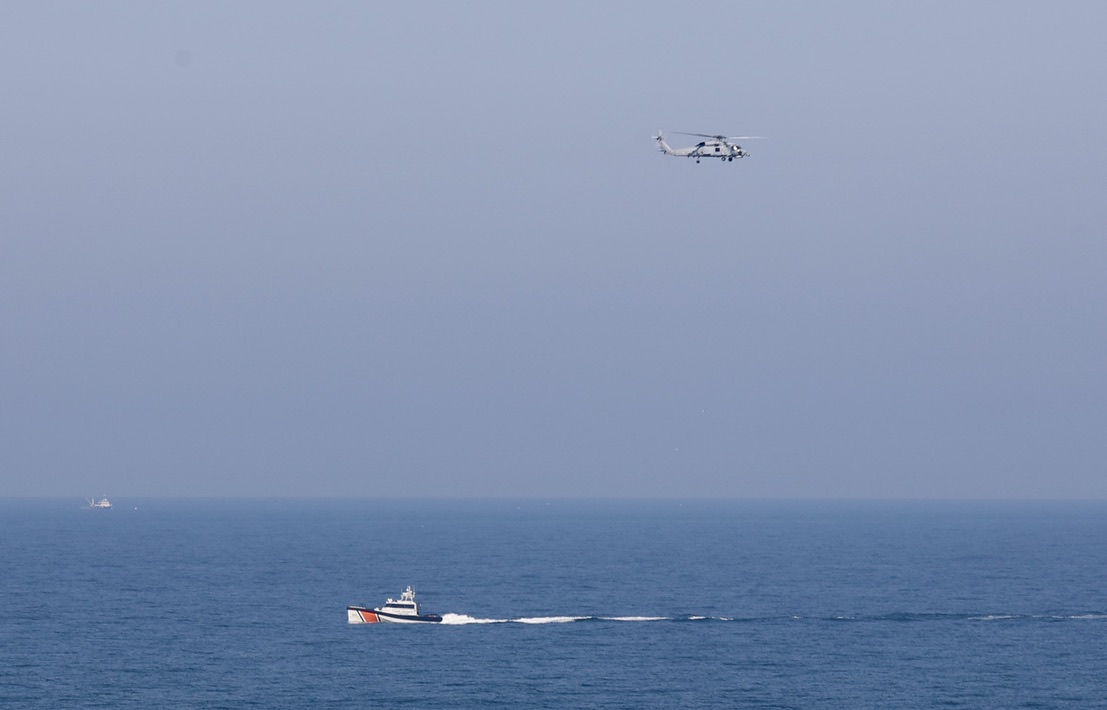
[{"x": 614, "y": 605}]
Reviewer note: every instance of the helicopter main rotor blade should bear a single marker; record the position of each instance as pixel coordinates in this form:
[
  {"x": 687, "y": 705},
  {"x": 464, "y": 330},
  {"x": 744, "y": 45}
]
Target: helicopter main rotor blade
[
  {"x": 698, "y": 135},
  {"x": 718, "y": 137}
]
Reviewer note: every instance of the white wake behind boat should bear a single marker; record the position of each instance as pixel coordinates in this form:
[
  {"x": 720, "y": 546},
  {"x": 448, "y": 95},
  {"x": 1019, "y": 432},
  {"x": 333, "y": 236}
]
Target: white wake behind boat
[{"x": 404, "y": 610}]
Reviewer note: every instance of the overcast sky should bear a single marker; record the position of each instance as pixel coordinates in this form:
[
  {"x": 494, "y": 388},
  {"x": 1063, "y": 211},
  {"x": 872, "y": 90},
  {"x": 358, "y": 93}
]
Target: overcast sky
[{"x": 429, "y": 249}]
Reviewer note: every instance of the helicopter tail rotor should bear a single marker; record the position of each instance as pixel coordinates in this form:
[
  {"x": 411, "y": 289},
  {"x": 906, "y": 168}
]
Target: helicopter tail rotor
[{"x": 661, "y": 144}]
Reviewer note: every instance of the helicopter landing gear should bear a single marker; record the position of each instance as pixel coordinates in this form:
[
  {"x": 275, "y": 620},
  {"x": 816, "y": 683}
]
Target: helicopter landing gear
[{"x": 697, "y": 161}]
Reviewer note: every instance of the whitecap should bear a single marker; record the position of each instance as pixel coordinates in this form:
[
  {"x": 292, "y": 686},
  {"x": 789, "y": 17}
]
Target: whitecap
[
  {"x": 460, "y": 619},
  {"x": 550, "y": 619}
]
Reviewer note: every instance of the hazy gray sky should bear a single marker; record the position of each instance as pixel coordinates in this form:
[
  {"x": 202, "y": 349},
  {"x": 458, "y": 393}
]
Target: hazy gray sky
[{"x": 429, "y": 249}]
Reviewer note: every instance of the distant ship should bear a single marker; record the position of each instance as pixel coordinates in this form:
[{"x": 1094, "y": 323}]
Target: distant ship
[
  {"x": 103, "y": 503},
  {"x": 397, "y": 611}
]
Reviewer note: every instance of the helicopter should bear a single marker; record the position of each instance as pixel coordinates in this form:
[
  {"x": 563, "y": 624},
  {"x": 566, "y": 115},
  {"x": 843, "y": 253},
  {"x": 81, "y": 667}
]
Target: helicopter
[{"x": 714, "y": 147}]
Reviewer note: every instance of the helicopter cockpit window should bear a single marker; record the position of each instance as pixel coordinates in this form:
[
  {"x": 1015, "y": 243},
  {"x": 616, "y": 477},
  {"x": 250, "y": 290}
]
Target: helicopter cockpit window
[{"x": 717, "y": 149}]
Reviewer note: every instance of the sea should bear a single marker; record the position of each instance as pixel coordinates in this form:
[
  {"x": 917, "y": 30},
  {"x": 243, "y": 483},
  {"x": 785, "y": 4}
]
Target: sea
[{"x": 177, "y": 603}]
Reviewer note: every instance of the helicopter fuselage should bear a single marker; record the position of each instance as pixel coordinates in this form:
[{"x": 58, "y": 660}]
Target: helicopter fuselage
[{"x": 717, "y": 147}]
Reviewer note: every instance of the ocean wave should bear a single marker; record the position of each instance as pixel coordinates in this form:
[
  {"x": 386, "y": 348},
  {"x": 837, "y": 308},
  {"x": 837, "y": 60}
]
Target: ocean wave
[
  {"x": 917, "y": 617},
  {"x": 464, "y": 619},
  {"x": 550, "y": 619}
]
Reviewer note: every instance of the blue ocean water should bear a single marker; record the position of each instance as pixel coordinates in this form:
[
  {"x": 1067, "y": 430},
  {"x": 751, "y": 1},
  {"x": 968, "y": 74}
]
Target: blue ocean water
[{"x": 200, "y": 603}]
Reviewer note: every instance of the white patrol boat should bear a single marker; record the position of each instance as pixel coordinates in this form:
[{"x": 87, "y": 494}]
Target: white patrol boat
[
  {"x": 404, "y": 610},
  {"x": 102, "y": 504}
]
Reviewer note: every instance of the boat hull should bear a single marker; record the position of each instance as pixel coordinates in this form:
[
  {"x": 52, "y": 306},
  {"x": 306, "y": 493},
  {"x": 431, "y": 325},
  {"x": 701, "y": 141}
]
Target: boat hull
[{"x": 361, "y": 615}]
